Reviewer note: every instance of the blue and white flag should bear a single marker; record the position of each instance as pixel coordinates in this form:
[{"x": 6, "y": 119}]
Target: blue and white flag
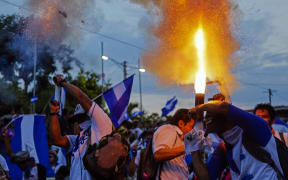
[
  {"x": 170, "y": 105},
  {"x": 138, "y": 113},
  {"x": 117, "y": 99},
  {"x": 33, "y": 99},
  {"x": 60, "y": 96},
  {"x": 30, "y": 135},
  {"x": 280, "y": 125}
]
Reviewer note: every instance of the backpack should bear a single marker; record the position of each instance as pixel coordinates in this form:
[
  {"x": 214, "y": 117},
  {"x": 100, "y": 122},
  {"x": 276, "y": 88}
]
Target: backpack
[
  {"x": 107, "y": 159},
  {"x": 262, "y": 155},
  {"x": 148, "y": 166}
]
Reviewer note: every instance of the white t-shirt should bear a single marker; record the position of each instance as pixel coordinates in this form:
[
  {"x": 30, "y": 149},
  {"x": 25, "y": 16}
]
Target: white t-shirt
[
  {"x": 245, "y": 165},
  {"x": 101, "y": 126},
  {"x": 285, "y": 136},
  {"x": 33, "y": 174},
  {"x": 170, "y": 136},
  {"x": 3, "y": 163}
]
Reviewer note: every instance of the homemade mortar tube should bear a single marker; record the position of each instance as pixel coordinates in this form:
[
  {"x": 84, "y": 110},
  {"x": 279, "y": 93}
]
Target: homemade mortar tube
[{"x": 199, "y": 99}]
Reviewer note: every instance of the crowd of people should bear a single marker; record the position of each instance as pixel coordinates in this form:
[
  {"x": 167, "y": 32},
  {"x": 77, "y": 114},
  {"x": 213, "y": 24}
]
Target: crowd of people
[{"x": 86, "y": 145}]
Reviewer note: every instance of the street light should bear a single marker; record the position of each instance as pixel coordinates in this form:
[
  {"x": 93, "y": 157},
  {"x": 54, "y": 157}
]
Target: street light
[
  {"x": 142, "y": 70},
  {"x": 104, "y": 58}
]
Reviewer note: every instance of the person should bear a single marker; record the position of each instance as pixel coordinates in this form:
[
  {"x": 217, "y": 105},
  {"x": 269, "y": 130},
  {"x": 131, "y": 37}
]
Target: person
[
  {"x": 4, "y": 170},
  {"x": 87, "y": 115},
  {"x": 31, "y": 169},
  {"x": 268, "y": 113},
  {"x": 168, "y": 145},
  {"x": 233, "y": 125}
]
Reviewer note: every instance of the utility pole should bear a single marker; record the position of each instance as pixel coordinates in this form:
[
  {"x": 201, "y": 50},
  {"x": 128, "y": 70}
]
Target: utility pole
[
  {"x": 125, "y": 69},
  {"x": 270, "y": 94},
  {"x": 140, "y": 87},
  {"x": 34, "y": 73},
  {"x": 102, "y": 75}
]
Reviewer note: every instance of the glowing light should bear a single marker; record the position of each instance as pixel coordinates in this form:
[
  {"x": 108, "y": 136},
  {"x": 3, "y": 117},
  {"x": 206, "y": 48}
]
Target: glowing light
[
  {"x": 200, "y": 81},
  {"x": 105, "y": 58},
  {"x": 142, "y": 70}
]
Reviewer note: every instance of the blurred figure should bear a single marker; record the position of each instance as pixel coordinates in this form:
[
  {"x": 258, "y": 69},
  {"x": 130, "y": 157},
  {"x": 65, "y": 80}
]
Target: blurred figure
[
  {"x": 4, "y": 170},
  {"x": 268, "y": 113}
]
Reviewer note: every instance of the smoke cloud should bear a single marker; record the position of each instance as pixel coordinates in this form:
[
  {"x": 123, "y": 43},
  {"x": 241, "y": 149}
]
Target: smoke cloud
[{"x": 172, "y": 57}]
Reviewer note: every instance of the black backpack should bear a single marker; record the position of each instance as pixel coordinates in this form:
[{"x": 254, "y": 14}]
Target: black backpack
[
  {"x": 107, "y": 159},
  {"x": 262, "y": 155},
  {"x": 148, "y": 167}
]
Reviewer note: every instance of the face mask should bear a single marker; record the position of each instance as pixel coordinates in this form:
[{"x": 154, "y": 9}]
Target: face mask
[{"x": 85, "y": 125}]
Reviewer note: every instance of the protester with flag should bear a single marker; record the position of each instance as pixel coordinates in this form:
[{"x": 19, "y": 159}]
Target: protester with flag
[
  {"x": 31, "y": 169},
  {"x": 267, "y": 112},
  {"x": 88, "y": 115}
]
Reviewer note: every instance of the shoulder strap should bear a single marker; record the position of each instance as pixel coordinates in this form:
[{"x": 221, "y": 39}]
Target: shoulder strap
[
  {"x": 282, "y": 138},
  {"x": 88, "y": 130},
  {"x": 260, "y": 154}
]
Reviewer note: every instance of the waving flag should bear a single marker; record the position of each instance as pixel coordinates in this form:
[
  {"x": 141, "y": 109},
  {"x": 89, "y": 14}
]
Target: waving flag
[
  {"x": 280, "y": 125},
  {"x": 170, "y": 105},
  {"x": 60, "y": 96},
  {"x": 117, "y": 99},
  {"x": 138, "y": 113},
  {"x": 33, "y": 99},
  {"x": 30, "y": 135}
]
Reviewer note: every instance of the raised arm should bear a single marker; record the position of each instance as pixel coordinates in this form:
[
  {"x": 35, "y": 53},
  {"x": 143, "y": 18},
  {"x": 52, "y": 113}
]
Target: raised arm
[
  {"x": 77, "y": 93},
  {"x": 55, "y": 131},
  {"x": 253, "y": 125},
  {"x": 7, "y": 143}
]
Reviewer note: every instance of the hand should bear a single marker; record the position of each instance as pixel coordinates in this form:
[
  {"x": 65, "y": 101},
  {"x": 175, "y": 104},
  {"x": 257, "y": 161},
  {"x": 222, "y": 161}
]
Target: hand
[
  {"x": 4, "y": 133},
  {"x": 194, "y": 141},
  {"x": 213, "y": 107},
  {"x": 54, "y": 107},
  {"x": 58, "y": 79}
]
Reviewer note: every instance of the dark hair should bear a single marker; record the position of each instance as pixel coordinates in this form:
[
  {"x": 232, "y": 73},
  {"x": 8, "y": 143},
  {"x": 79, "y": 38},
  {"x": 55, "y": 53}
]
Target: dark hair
[
  {"x": 182, "y": 114},
  {"x": 268, "y": 107}
]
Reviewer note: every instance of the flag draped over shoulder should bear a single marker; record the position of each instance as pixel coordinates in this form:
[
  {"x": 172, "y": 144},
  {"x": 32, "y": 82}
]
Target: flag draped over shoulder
[
  {"x": 117, "y": 99},
  {"x": 170, "y": 105},
  {"x": 30, "y": 135},
  {"x": 280, "y": 125}
]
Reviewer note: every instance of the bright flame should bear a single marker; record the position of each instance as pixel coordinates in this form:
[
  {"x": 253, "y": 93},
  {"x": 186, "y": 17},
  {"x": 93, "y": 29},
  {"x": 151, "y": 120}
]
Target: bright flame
[{"x": 200, "y": 81}]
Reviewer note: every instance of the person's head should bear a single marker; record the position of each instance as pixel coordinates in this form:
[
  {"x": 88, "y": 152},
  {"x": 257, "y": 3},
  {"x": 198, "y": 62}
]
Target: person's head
[
  {"x": 79, "y": 118},
  {"x": 23, "y": 160},
  {"x": 266, "y": 112},
  {"x": 184, "y": 120}
]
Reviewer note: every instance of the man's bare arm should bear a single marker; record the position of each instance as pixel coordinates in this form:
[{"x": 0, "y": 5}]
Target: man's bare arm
[
  {"x": 166, "y": 154},
  {"x": 55, "y": 131},
  {"x": 74, "y": 91},
  {"x": 7, "y": 143}
]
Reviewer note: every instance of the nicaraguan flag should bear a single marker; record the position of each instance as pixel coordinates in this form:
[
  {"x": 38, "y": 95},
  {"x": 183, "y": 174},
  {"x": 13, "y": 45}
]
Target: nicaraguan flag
[
  {"x": 170, "y": 105},
  {"x": 117, "y": 99},
  {"x": 30, "y": 135},
  {"x": 137, "y": 114},
  {"x": 33, "y": 99},
  {"x": 60, "y": 96},
  {"x": 280, "y": 125}
]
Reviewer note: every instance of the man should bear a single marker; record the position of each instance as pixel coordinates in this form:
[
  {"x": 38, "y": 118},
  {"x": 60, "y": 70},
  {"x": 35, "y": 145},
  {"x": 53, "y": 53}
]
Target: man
[
  {"x": 98, "y": 121},
  {"x": 31, "y": 170},
  {"x": 267, "y": 112},
  {"x": 234, "y": 125},
  {"x": 168, "y": 145}
]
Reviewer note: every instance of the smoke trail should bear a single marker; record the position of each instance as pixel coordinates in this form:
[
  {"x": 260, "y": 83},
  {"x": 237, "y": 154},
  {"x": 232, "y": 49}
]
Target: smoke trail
[{"x": 173, "y": 58}]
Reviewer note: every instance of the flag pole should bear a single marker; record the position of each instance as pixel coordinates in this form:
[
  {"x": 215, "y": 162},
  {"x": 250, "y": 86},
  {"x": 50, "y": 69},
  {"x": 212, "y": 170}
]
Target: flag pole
[{"x": 34, "y": 73}]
